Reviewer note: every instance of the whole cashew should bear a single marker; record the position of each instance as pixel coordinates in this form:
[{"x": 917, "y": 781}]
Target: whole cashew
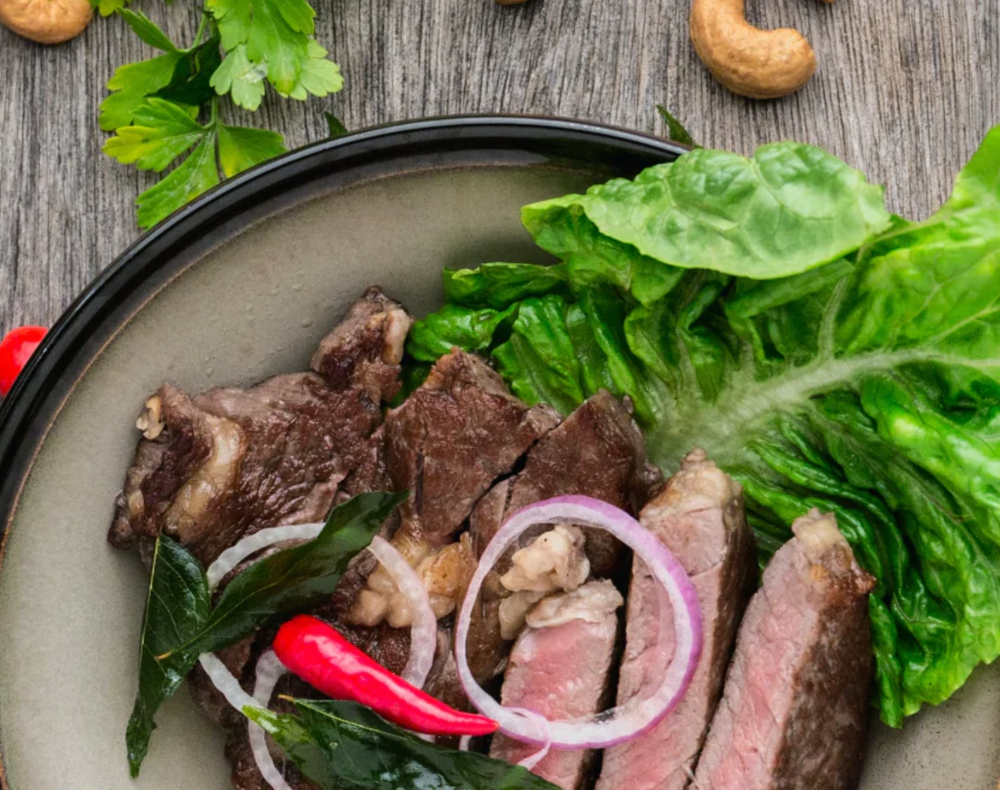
[
  {"x": 761, "y": 64},
  {"x": 46, "y": 21}
]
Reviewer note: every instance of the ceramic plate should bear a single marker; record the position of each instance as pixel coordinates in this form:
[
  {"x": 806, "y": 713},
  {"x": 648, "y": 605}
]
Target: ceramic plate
[{"x": 237, "y": 287}]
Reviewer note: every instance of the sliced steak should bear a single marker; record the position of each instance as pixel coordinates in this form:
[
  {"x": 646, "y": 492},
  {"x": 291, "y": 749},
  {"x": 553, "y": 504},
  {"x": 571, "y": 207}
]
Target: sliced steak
[
  {"x": 598, "y": 451},
  {"x": 699, "y": 516},
  {"x": 365, "y": 349},
  {"x": 795, "y": 707},
  {"x": 559, "y": 668},
  {"x": 451, "y": 440}
]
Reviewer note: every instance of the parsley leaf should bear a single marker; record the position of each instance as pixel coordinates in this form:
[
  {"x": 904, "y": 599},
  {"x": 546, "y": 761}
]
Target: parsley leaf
[
  {"x": 131, "y": 84},
  {"x": 195, "y": 175},
  {"x": 158, "y": 107},
  {"x": 241, "y": 147},
  {"x": 162, "y": 131},
  {"x": 271, "y": 37}
]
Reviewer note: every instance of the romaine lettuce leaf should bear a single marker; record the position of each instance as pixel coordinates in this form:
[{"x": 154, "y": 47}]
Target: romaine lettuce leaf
[
  {"x": 789, "y": 208},
  {"x": 866, "y": 382}
]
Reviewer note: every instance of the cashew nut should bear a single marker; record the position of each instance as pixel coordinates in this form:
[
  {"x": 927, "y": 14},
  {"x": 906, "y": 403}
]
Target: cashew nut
[
  {"x": 46, "y": 21},
  {"x": 761, "y": 64}
]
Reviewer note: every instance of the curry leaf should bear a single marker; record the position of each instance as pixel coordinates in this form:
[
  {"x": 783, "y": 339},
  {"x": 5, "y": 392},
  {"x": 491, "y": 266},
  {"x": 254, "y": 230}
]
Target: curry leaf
[
  {"x": 675, "y": 129},
  {"x": 177, "y": 607},
  {"x": 292, "y": 579},
  {"x": 337, "y": 742},
  {"x": 179, "y": 624}
]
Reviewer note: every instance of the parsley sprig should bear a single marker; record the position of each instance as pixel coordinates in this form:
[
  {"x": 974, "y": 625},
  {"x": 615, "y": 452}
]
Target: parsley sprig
[{"x": 164, "y": 111}]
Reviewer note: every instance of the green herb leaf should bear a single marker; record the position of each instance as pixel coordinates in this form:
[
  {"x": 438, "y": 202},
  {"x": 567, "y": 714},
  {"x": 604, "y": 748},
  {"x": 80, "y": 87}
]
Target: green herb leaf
[
  {"x": 241, "y": 147},
  {"x": 179, "y": 624},
  {"x": 242, "y": 79},
  {"x": 675, "y": 129},
  {"x": 790, "y": 208},
  {"x": 147, "y": 30},
  {"x": 276, "y": 37},
  {"x": 868, "y": 386},
  {"x": 337, "y": 742},
  {"x": 335, "y": 125},
  {"x": 176, "y": 608},
  {"x": 294, "y": 578},
  {"x": 194, "y": 176},
  {"x": 130, "y": 86},
  {"x": 191, "y": 81},
  {"x": 162, "y": 132}
]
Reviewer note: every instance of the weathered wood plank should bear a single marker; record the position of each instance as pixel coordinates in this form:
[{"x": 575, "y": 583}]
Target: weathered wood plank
[{"x": 904, "y": 91}]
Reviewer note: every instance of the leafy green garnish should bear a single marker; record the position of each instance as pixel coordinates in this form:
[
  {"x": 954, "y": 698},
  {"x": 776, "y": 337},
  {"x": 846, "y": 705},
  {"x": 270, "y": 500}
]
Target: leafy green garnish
[
  {"x": 337, "y": 742},
  {"x": 240, "y": 47},
  {"x": 865, "y": 381},
  {"x": 788, "y": 209},
  {"x": 675, "y": 129},
  {"x": 177, "y": 604},
  {"x": 179, "y": 623}
]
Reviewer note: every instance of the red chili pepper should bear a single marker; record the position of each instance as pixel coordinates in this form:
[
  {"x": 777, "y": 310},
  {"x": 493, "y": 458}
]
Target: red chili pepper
[
  {"x": 15, "y": 350},
  {"x": 318, "y": 654}
]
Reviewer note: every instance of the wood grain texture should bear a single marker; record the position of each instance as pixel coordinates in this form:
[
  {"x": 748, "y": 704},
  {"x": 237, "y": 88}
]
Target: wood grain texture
[{"x": 905, "y": 91}]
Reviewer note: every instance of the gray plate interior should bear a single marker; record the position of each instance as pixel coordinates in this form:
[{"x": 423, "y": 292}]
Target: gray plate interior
[{"x": 70, "y": 606}]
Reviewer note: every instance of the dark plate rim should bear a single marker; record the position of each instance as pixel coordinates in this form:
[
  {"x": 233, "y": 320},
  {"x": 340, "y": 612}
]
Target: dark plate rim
[{"x": 40, "y": 392}]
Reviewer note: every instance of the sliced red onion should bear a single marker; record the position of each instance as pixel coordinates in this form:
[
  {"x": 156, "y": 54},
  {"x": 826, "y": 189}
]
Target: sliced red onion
[
  {"x": 423, "y": 632},
  {"x": 258, "y": 541},
  {"x": 269, "y": 671},
  {"x": 542, "y": 724},
  {"x": 226, "y": 682},
  {"x": 637, "y": 716}
]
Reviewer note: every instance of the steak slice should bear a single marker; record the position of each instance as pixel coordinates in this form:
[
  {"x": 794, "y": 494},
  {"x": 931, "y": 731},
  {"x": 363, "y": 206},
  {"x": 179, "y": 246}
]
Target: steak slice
[
  {"x": 599, "y": 451},
  {"x": 451, "y": 440},
  {"x": 559, "y": 668},
  {"x": 795, "y": 707},
  {"x": 699, "y": 516},
  {"x": 365, "y": 349}
]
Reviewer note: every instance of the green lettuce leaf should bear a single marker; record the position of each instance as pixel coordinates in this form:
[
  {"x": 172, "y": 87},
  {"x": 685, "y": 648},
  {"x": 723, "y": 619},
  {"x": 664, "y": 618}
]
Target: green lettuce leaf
[
  {"x": 789, "y": 208},
  {"x": 866, "y": 382},
  {"x": 334, "y": 743}
]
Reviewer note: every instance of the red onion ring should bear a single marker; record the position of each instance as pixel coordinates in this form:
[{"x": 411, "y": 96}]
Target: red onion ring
[
  {"x": 637, "y": 716},
  {"x": 423, "y": 632},
  {"x": 540, "y": 721},
  {"x": 251, "y": 544},
  {"x": 269, "y": 671}
]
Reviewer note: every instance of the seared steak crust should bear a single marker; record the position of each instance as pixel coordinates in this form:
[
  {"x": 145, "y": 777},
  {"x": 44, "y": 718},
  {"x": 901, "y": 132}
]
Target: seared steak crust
[
  {"x": 596, "y": 451},
  {"x": 452, "y": 438},
  {"x": 365, "y": 349},
  {"x": 229, "y": 462},
  {"x": 794, "y": 712}
]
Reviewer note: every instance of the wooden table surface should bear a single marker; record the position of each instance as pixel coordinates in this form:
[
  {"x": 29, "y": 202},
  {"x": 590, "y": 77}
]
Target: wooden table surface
[{"x": 905, "y": 91}]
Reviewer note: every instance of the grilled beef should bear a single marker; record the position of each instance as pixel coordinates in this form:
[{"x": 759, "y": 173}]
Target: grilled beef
[
  {"x": 364, "y": 351},
  {"x": 213, "y": 468},
  {"x": 794, "y": 710},
  {"x": 597, "y": 451},
  {"x": 452, "y": 438},
  {"x": 699, "y": 516},
  {"x": 559, "y": 668}
]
